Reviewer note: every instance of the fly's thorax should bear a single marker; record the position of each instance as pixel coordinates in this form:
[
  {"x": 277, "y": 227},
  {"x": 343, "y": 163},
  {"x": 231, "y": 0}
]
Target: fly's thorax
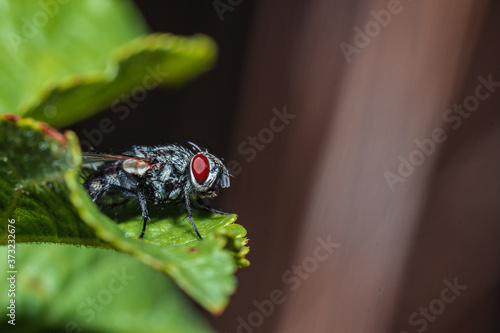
[
  {"x": 176, "y": 157},
  {"x": 155, "y": 189},
  {"x": 165, "y": 181}
]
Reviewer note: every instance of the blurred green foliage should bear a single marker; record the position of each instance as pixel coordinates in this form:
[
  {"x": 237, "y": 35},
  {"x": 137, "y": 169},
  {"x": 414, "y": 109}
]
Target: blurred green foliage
[
  {"x": 63, "y": 288},
  {"x": 62, "y": 61}
]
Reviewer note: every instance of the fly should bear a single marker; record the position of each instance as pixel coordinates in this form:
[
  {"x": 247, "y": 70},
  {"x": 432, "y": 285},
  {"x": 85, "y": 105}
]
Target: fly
[{"x": 158, "y": 174}]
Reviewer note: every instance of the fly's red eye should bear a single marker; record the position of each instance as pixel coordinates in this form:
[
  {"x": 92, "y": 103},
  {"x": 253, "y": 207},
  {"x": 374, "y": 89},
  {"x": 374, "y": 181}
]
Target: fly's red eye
[{"x": 200, "y": 167}]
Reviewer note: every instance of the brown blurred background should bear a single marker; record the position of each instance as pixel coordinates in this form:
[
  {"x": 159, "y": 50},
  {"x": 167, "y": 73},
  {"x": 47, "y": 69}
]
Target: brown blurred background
[{"x": 361, "y": 81}]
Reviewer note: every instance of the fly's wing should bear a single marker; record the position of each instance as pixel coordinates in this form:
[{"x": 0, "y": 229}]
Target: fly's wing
[
  {"x": 130, "y": 164},
  {"x": 98, "y": 157}
]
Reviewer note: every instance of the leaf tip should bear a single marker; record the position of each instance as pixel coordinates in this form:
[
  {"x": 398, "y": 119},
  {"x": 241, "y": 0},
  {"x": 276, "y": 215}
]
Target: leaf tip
[
  {"x": 11, "y": 117},
  {"x": 53, "y": 133},
  {"x": 217, "y": 311}
]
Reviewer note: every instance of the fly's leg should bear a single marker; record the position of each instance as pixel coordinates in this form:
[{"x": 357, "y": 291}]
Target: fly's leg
[
  {"x": 188, "y": 208},
  {"x": 139, "y": 195},
  {"x": 106, "y": 188},
  {"x": 216, "y": 211},
  {"x": 99, "y": 193},
  {"x": 145, "y": 214},
  {"x": 201, "y": 205}
]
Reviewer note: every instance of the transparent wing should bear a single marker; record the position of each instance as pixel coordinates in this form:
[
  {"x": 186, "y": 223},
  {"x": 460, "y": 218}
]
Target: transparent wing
[
  {"x": 90, "y": 158},
  {"x": 131, "y": 164}
]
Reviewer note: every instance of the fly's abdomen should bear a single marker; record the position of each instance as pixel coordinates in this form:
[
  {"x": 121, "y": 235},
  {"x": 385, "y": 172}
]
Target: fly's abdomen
[{"x": 111, "y": 181}]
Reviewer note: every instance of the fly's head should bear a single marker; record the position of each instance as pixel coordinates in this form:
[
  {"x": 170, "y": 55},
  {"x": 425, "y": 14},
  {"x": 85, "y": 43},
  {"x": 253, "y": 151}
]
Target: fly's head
[{"x": 207, "y": 174}]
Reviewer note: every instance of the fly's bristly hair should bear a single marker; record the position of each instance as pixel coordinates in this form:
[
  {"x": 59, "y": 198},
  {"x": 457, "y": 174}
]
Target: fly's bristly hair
[{"x": 159, "y": 174}]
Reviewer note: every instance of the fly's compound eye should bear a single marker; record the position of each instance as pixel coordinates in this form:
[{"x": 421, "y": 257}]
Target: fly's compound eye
[{"x": 200, "y": 168}]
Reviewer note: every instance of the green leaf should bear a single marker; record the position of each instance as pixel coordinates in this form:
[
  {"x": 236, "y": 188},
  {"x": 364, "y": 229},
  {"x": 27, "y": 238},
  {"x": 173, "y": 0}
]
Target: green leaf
[
  {"x": 86, "y": 56},
  {"x": 34, "y": 161},
  {"x": 69, "y": 288},
  {"x": 49, "y": 204}
]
